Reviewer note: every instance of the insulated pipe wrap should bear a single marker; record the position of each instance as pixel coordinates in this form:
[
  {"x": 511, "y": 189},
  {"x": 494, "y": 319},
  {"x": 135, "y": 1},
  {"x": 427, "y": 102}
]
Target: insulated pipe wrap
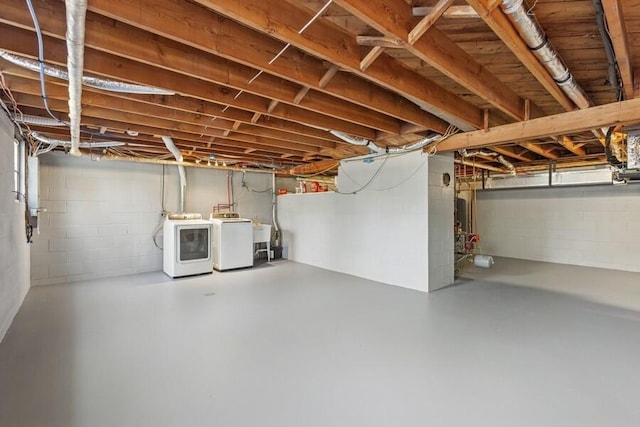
[
  {"x": 390, "y": 150},
  {"x": 36, "y": 120},
  {"x": 533, "y": 35},
  {"x": 76, "y": 13},
  {"x": 512, "y": 169},
  {"x": 96, "y": 82}
]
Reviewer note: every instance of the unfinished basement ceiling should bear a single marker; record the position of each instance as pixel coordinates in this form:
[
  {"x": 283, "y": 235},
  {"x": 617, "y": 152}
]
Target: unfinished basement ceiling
[{"x": 261, "y": 83}]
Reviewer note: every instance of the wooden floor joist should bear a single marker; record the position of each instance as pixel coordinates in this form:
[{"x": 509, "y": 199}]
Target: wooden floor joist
[{"x": 602, "y": 116}]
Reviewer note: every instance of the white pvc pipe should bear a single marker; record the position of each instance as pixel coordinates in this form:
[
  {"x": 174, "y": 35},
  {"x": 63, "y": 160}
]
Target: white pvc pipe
[
  {"x": 168, "y": 142},
  {"x": 76, "y": 14},
  {"x": 274, "y": 208}
]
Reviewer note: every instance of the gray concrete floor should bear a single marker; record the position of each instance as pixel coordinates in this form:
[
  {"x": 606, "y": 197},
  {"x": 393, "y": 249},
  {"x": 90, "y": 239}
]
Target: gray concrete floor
[{"x": 523, "y": 344}]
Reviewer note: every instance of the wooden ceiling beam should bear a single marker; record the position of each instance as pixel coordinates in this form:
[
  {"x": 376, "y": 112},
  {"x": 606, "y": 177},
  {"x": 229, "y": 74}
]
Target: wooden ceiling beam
[
  {"x": 428, "y": 20},
  {"x": 568, "y": 143},
  {"x": 602, "y": 116},
  {"x": 390, "y": 42},
  {"x": 328, "y": 76},
  {"x": 21, "y": 42},
  {"x": 114, "y": 126},
  {"x": 538, "y": 149},
  {"x": 24, "y": 80},
  {"x": 453, "y": 12},
  {"x": 101, "y": 35},
  {"x": 510, "y": 152},
  {"x": 618, "y": 33},
  {"x": 101, "y": 100},
  {"x": 325, "y": 40},
  {"x": 480, "y": 165},
  {"x": 394, "y": 18},
  {"x": 502, "y": 27},
  {"x": 371, "y": 56},
  {"x": 233, "y": 41},
  {"x": 143, "y": 124},
  {"x": 320, "y": 167}
]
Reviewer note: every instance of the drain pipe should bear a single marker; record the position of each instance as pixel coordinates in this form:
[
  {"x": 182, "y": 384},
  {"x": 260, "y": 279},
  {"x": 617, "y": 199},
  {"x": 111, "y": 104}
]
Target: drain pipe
[
  {"x": 534, "y": 37},
  {"x": 168, "y": 142},
  {"x": 389, "y": 150},
  {"x": 274, "y": 208},
  {"x": 76, "y": 13},
  {"x": 499, "y": 158}
]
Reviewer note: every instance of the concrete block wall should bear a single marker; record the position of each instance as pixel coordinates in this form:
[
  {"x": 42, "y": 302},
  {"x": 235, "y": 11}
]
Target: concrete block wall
[
  {"x": 590, "y": 226},
  {"x": 380, "y": 233},
  {"x": 441, "y": 199},
  {"x": 206, "y": 187},
  {"x": 14, "y": 250},
  {"x": 101, "y": 215}
]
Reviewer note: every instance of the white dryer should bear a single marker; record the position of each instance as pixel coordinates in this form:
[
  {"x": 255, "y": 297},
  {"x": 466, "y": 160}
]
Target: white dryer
[
  {"x": 232, "y": 243},
  {"x": 187, "y": 247}
]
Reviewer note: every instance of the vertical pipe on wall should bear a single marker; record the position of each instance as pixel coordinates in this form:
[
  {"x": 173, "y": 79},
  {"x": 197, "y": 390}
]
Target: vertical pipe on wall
[
  {"x": 274, "y": 208},
  {"x": 168, "y": 142}
]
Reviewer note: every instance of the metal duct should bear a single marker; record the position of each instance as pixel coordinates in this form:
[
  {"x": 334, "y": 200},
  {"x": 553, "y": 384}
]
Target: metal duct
[
  {"x": 534, "y": 36},
  {"x": 499, "y": 158},
  {"x": 95, "y": 82},
  {"x": 354, "y": 140},
  {"x": 61, "y": 143},
  {"x": 76, "y": 14},
  {"x": 36, "y": 120},
  {"x": 168, "y": 142},
  {"x": 633, "y": 150},
  {"x": 390, "y": 150}
]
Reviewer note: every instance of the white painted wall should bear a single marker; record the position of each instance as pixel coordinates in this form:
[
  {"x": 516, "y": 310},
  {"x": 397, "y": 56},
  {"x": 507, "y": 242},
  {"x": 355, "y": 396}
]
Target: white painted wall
[
  {"x": 441, "y": 205},
  {"x": 14, "y": 250},
  {"x": 102, "y": 215},
  {"x": 589, "y": 226},
  {"x": 381, "y": 233}
]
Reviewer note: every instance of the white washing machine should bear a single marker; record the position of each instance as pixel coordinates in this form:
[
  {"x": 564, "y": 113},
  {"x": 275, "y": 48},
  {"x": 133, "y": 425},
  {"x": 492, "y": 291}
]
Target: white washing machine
[
  {"x": 232, "y": 243},
  {"x": 187, "y": 247}
]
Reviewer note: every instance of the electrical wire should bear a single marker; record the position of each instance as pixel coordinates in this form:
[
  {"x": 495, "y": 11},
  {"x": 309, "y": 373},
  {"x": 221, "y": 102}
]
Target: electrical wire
[
  {"x": 384, "y": 162},
  {"x": 41, "y": 63},
  {"x": 422, "y": 164},
  {"x": 43, "y": 90},
  {"x": 244, "y": 184},
  {"x": 451, "y": 130}
]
